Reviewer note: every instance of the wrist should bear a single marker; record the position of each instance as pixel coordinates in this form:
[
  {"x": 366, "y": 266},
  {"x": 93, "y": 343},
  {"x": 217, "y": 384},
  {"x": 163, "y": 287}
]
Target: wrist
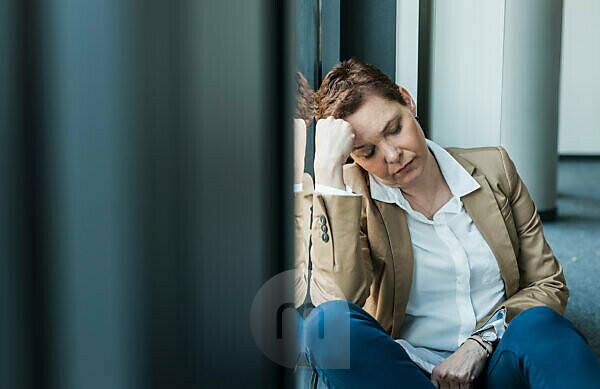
[
  {"x": 327, "y": 161},
  {"x": 330, "y": 176},
  {"x": 485, "y": 349},
  {"x": 298, "y": 176}
]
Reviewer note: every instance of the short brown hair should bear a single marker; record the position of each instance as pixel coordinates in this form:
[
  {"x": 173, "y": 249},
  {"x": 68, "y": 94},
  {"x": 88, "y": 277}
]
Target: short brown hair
[
  {"x": 348, "y": 83},
  {"x": 305, "y": 100}
]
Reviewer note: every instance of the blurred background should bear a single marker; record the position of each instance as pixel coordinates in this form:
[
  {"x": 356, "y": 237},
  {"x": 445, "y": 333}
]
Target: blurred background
[
  {"x": 143, "y": 200},
  {"x": 146, "y": 167}
]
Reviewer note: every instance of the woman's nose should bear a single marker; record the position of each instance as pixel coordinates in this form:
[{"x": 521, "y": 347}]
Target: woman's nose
[{"x": 391, "y": 153}]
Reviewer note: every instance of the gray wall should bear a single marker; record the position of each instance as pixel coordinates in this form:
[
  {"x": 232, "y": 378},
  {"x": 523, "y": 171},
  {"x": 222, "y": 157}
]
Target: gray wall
[
  {"x": 579, "y": 127},
  {"x": 494, "y": 81}
]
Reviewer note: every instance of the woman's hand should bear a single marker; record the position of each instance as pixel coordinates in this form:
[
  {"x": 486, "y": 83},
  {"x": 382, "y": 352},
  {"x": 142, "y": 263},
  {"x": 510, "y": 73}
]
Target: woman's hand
[
  {"x": 299, "y": 149},
  {"x": 461, "y": 368},
  {"x": 333, "y": 145}
]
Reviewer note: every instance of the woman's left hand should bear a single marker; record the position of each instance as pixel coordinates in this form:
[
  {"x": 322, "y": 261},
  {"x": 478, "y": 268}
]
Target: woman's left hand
[{"x": 461, "y": 368}]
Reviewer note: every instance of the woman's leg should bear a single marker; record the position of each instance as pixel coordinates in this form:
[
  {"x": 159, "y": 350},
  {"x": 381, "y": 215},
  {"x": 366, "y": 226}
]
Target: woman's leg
[
  {"x": 542, "y": 349},
  {"x": 349, "y": 349}
]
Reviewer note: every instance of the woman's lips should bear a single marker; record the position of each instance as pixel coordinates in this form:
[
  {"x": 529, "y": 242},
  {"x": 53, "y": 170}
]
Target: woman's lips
[{"x": 403, "y": 168}]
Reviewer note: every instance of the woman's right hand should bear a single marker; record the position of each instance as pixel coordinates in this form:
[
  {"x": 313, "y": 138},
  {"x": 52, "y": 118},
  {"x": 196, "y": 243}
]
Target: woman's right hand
[{"x": 333, "y": 144}]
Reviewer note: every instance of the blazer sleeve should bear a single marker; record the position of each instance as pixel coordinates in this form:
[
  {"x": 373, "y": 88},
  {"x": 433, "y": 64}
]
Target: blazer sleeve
[
  {"x": 302, "y": 210},
  {"x": 340, "y": 253},
  {"x": 541, "y": 281}
]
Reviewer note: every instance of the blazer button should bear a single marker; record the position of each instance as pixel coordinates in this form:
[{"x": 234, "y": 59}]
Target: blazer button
[
  {"x": 322, "y": 219},
  {"x": 325, "y": 237},
  {"x": 323, "y": 228}
]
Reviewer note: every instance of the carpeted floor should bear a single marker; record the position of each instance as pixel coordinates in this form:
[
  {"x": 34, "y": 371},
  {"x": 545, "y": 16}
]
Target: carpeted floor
[{"x": 575, "y": 239}]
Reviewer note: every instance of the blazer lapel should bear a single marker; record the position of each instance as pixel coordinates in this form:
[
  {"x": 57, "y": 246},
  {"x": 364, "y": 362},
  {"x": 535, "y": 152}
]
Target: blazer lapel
[
  {"x": 397, "y": 238},
  {"x": 398, "y": 235},
  {"x": 484, "y": 211}
]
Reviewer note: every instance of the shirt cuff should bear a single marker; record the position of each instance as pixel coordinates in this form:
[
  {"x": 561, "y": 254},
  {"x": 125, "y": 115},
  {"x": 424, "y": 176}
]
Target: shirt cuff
[
  {"x": 328, "y": 190},
  {"x": 497, "y": 321},
  {"x": 297, "y": 188}
]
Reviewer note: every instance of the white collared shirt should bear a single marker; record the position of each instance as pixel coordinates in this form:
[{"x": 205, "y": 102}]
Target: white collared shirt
[{"x": 456, "y": 279}]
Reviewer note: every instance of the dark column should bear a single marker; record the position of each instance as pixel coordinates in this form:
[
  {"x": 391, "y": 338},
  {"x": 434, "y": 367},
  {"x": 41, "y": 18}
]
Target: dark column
[{"x": 368, "y": 32}]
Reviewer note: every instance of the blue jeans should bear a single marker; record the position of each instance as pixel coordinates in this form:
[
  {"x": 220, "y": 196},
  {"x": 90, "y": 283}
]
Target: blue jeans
[{"x": 348, "y": 349}]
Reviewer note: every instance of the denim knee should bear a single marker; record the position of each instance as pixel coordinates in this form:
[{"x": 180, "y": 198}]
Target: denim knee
[
  {"x": 327, "y": 334},
  {"x": 331, "y": 314},
  {"x": 540, "y": 323},
  {"x": 532, "y": 344},
  {"x": 533, "y": 317}
]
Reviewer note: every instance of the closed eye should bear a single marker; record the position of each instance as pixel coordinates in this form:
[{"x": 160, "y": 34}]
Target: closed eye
[
  {"x": 395, "y": 130},
  {"x": 365, "y": 152}
]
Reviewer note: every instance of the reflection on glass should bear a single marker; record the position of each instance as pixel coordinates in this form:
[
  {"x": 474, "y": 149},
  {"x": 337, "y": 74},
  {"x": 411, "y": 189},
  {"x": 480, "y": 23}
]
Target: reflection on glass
[{"x": 303, "y": 118}]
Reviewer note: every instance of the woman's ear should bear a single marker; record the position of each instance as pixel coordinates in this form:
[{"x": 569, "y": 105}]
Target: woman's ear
[{"x": 408, "y": 100}]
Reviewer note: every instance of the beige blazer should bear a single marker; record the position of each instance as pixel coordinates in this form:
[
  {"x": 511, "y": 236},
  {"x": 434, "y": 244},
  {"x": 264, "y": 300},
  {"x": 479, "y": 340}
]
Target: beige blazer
[{"x": 365, "y": 254}]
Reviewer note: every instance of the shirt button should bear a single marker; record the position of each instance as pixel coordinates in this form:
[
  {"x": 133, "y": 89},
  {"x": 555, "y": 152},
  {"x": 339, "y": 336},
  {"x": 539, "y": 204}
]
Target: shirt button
[{"x": 325, "y": 237}]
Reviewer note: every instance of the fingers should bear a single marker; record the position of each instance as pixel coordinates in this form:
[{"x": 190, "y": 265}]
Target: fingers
[
  {"x": 447, "y": 384},
  {"x": 447, "y": 381},
  {"x": 438, "y": 379},
  {"x": 338, "y": 126},
  {"x": 440, "y": 384},
  {"x": 334, "y": 140}
]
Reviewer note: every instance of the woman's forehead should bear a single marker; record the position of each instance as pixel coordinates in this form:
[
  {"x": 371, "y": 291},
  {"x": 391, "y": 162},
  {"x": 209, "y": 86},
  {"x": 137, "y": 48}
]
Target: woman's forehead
[{"x": 373, "y": 116}]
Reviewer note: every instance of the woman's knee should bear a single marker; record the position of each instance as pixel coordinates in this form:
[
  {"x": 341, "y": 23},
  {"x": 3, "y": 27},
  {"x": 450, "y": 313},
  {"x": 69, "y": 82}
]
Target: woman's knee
[
  {"x": 539, "y": 323},
  {"x": 332, "y": 316},
  {"x": 327, "y": 334},
  {"x": 533, "y": 317},
  {"x": 536, "y": 315}
]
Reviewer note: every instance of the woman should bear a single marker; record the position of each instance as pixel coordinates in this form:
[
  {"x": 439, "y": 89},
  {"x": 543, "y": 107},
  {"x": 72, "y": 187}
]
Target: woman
[{"x": 429, "y": 266}]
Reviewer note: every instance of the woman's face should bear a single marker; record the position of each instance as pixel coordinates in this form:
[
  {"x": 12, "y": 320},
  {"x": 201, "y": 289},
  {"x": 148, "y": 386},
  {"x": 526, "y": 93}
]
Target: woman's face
[{"x": 389, "y": 142}]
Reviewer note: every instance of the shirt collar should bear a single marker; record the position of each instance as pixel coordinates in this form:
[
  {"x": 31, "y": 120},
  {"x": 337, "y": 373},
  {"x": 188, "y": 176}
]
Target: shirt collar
[{"x": 458, "y": 179}]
